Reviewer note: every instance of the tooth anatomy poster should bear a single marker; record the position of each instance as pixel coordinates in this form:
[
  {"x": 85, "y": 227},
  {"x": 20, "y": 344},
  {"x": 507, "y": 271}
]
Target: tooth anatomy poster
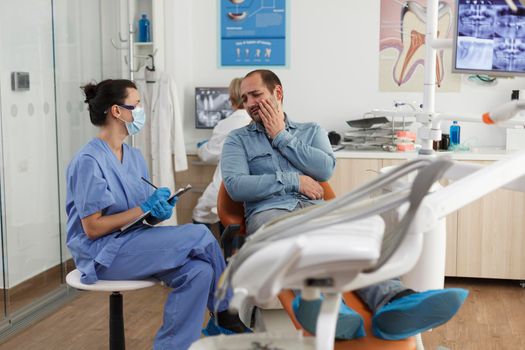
[
  {"x": 253, "y": 32},
  {"x": 402, "y": 46}
]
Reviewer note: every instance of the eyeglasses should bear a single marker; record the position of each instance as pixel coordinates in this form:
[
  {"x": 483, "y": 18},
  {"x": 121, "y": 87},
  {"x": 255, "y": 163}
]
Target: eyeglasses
[{"x": 128, "y": 107}]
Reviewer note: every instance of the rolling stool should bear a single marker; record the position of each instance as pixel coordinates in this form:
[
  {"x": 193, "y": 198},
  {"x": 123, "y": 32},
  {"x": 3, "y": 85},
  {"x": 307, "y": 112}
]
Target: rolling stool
[{"x": 116, "y": 314}]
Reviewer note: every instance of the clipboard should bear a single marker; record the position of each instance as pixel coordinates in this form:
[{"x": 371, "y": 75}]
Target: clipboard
[{"x": 147, "y": 214}]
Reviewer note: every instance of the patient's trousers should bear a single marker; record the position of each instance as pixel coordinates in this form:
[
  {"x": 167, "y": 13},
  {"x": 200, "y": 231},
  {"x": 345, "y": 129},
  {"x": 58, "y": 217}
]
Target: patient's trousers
[{"x": 374, "y": 296}]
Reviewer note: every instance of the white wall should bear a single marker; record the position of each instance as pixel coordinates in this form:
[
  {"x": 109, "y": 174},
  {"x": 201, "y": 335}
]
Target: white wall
[{"x": 333, "y": 66}]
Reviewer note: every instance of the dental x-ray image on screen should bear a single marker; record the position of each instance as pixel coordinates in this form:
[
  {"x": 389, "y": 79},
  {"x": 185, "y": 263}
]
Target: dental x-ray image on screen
[
  {"x": 490, "y": 38},
  {"x": 212, "y": 104}
]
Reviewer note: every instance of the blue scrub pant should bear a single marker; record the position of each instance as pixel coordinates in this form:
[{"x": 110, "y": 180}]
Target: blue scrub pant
[
  {"x": 374, "y": 296},
  {"x": 188, "y": 259}
]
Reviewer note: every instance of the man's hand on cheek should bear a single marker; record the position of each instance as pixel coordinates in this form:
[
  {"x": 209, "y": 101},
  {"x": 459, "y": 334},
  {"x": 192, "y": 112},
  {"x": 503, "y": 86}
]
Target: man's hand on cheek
[{"x": 272, "y": 120}]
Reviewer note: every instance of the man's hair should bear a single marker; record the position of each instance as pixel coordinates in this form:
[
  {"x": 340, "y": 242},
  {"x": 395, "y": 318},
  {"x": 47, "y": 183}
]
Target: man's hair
[
  {"x": 269, "y": 78},
  {"x": 235, "y": 93}
]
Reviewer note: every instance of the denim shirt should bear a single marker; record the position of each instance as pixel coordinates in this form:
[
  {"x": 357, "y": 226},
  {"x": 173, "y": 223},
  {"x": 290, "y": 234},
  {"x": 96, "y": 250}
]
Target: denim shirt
[{"x": 264, "y": 173}]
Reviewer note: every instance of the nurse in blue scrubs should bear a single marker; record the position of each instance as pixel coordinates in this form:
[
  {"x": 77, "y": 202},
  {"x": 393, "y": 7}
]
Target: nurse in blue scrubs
[{"x": 105, "y": 191}]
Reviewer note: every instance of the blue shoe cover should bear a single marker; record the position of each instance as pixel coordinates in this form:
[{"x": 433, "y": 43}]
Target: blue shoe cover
[
  {"x": 349, "y": 322},
  {"x": 212, "y": 328},
  {"x": 416, "y": 313}
]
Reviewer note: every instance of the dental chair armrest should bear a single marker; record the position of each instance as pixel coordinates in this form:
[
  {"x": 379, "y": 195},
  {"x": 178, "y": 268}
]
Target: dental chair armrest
[
  {"x": 400, "y": 263},
  {"x": 272, "y": 284}
]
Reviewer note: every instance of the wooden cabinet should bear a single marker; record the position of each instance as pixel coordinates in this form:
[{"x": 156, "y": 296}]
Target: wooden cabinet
[
  {"x": 350, "y": 173},
  {"x": 484, "y": 239},
  {"x": 451, "y": 254},
  {"x": 199, "y": 175},
  {"x": 491, "y": 236}
]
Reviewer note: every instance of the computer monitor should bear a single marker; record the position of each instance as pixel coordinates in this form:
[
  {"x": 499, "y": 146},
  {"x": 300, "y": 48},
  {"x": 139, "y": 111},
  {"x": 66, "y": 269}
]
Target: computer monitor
[
  {"x": 212, "y": 104},
  {"x": 490, "y": 38}
]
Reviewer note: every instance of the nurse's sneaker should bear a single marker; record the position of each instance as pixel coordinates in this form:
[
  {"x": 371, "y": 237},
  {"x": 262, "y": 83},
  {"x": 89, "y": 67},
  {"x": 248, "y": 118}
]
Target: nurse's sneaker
[
  {"x": 349, "y": 322},
  {"x": 225, "y": 323},
  {"x": 417, "y": 312}
]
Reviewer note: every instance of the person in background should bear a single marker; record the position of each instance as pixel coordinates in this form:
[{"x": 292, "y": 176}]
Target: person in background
[
  {"x": 210, "y": 151},
  {"x": 274, "y": 166},
  {"x": 105, "y": 191}
]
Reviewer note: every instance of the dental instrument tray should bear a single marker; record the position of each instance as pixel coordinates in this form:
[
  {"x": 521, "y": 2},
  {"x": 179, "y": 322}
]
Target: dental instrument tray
[
  {"x": 366, "y": 123},
  {"x": 376, "y": 132}
]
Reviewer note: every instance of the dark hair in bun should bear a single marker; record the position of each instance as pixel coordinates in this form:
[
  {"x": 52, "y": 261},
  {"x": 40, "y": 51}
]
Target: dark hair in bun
[
  {"x": 100, "y": 97},
  {"x": 90, "y": 90}
]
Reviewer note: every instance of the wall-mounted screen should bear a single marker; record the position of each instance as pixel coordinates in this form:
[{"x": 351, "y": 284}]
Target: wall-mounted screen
[
  {"x": 490, "y": 38},
  {"x": 212, "y": 104}
]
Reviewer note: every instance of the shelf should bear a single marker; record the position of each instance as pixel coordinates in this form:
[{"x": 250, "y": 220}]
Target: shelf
[{"x": 150, "y": 43}]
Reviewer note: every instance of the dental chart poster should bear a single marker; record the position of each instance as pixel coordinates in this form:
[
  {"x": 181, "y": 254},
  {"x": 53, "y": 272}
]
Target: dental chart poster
[
  {"x": 253, "y": 32},
  {"x": 402, "y": 46}
]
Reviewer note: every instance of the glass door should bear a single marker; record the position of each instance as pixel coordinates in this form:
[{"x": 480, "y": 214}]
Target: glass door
[
  {"x": 29, "y": 138},
  {"x": 83, "y": 53},
  {"x": 4, "y": 323},
  {"x": 49, "y": 49}
]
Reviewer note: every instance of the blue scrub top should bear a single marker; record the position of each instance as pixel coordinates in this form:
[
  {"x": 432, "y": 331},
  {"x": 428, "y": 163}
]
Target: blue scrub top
[{"x": 98, "y": 181}]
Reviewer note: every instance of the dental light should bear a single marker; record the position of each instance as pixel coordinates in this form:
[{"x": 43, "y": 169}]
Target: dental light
[{"x": 503, "y": 112}]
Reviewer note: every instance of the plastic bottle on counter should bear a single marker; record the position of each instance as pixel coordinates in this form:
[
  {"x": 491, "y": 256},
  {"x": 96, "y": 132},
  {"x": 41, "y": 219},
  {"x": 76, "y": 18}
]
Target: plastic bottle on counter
[
  {"x": 455, "y": 131},
  {"x": 445, "y": 142}
]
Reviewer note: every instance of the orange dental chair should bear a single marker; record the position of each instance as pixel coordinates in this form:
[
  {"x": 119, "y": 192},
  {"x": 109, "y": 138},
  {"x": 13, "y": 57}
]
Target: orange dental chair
[{"x": 231, "y": 214}]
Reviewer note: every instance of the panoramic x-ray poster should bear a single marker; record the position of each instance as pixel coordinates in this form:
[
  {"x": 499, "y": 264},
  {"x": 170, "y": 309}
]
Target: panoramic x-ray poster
[{"x": 402, "y": 46}]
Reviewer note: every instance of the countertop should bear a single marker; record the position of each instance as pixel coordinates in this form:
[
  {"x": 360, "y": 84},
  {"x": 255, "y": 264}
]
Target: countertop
[{"x": 475, "y": 154}]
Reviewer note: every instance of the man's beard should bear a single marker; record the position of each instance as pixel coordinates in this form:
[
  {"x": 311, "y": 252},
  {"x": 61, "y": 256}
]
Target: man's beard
[{"x": 254, "y": 110}]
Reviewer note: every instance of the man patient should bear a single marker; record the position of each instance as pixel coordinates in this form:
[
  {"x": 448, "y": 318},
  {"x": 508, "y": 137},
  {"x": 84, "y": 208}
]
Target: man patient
[{"x": 274, "y": 166}]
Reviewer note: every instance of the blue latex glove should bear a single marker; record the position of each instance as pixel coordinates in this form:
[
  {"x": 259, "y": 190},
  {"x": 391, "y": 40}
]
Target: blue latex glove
[
  {"x": 199, "y": 144},
  {"x": 162, "y": 210},
  {"x": 162, "y": 193}
]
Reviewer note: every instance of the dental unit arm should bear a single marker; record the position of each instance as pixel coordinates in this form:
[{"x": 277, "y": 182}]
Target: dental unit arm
[
  {"x": 504, "y": 112},
  {"x": 501, "y": 115}
]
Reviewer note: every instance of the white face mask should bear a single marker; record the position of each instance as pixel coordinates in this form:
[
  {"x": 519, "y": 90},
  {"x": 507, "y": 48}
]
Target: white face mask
[{"x": 139, "y": 119}]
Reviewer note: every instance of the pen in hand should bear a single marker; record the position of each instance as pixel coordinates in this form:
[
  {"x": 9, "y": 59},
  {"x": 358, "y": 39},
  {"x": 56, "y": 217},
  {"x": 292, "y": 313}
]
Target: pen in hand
[
  {"x": 140, "y": 218},
  {"x": 149, "y": 183},
  {"x": 170, "y": 200}
]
